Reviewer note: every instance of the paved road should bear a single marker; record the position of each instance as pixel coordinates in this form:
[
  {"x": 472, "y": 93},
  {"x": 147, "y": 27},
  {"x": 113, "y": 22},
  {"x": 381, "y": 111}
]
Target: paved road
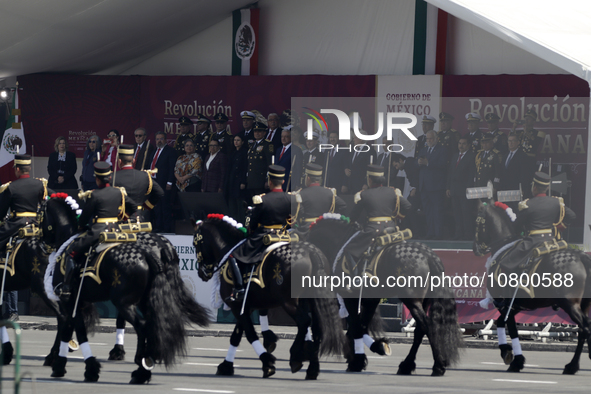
[{"x": 480, "y": 371}]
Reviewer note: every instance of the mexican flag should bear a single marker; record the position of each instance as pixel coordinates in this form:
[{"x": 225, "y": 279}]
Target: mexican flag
[
  {"x": 245, "y": 48},
  {"x": 13, "y": 140}
]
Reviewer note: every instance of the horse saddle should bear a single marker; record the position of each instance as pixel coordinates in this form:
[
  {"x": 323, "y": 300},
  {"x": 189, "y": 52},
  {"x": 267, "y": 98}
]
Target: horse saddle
[
  {"x": 257, "y": 273},
  {"x": 12, "y": 248}
]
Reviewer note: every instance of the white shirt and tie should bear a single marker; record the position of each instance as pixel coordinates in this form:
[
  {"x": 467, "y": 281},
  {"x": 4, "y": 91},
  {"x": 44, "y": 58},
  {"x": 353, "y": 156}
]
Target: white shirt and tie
[{"x": 509, "y": 157}]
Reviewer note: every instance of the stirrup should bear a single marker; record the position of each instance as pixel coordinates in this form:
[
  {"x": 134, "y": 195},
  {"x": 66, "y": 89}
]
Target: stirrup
[{"x": 237, "y": 295}]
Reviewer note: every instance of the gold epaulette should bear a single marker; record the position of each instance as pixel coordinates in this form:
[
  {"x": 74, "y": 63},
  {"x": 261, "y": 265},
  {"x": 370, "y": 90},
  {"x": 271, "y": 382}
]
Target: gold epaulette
[
  {"x": 298, "y": 198},
  {"x": 258, "y": 199},
  {"x": 333, "y": 190},
  {"x": 84, "y": 195},
  {"x": 4, "y": 187},
  {"x": 560, "y": 200},
  {"x": 152, "y": 172},
  {"x": 523, "y": 204},
  {"x": 123, "y": 191},
  {"x": 398, "y": 192},
  {"x": 357, "y": 197}
]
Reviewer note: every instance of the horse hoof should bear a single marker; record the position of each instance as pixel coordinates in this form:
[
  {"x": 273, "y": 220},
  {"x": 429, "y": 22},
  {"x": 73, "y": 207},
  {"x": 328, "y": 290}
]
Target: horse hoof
[
  {"x": 358, "y": 364},
  {"x": 268, "y": 364},
  {"x": 117, "y": 353},
  {"x": 59, "y": 367},
  {"x": 8, "y": 352},
  {"x": 226, "y": 368},
  {"x": 438, "y": 371},
  {"x": 93, "y": 369},
  {"x": 269, "y": 341},
  {"x": 571, "y": 369},
  {"x": 140, "y": 376},
  {"x": 73, "y": 345},
  {"x": 313, "y": 371},
  {"x": 295, "y": 366},
  {"x": 49, "y": 359},
  {"x": 148, "y": 363},
  {"x": 381, "y": 347},
  {"x": 517, "y": 364},
  {"x": 406, "y": 368},
  {"x": 506, "y": 353}
]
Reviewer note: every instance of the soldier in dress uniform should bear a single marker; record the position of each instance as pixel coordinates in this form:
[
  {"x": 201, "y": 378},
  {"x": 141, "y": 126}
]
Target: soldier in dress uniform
[
  {"x": 202, "y": 136},
  {"x": 488, "y": 164},
  {"x": 474, "y": 132},
  {"x": 138, "y": 184},
  {"x": 315, "y": 200},
  {"x": 428, "y": 123},
  {"x": 376, "y": 208},
  {"x": 271, "y": 212},
  {"x": 499, "y": 138},
  {"x": 260, "y": 154},
  {"x": 103, "y": 208},
  {"x": 448, "y": 137},
  {"x": 186, "y": 129},
  {"x": 539, "y": 217},
  {"x": 22, "y": 198},
  {"x": 248, "y": 118},
  {"x": 222, "y": 135},
  {"x": 530, "y": 138}
]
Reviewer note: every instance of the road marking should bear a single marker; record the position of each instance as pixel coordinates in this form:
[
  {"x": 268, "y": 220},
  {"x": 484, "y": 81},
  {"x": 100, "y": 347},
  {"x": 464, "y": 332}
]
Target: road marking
[
  {"x": 47, "y": 381},
  {"x": 524, "y": 381},
  {"x": 205, "y": 391},
  {"x": 213, "y": 350},
  {"x": 490, "y": 363},
  {"x": 206, "y": 364},
  {"x": 68, "y": 357}
]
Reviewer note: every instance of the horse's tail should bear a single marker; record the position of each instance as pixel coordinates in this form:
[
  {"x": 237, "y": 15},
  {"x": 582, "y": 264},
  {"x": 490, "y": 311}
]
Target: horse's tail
[
  {"x": 326, "y": 310},
  {"x": 165, "y": 315},
  {"x": 443, "y": 316}
]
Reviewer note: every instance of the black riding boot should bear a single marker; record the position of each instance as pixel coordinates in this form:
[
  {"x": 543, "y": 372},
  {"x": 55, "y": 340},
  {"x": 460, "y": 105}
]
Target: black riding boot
[{"x": 238, "y": 291}]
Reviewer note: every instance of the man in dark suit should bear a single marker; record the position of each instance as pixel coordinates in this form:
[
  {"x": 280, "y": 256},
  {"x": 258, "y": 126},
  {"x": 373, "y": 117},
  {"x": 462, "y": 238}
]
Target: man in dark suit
[
  {"x": 286, "y": 155},
  {"x": 516, "y": 170},
  {"x": 357, "y": 168},
  {"x": 143, "y": 149},
  {"x": 274, "y": 132},
  {"x": 338, "y": 160},
  {"x": 215, "y": 166},
  {"x": 432, "y": 178},
  {"x": 459, "y": 177},
  {"x": 260, "y": 153},
  {"x": 164, "y": 160}
]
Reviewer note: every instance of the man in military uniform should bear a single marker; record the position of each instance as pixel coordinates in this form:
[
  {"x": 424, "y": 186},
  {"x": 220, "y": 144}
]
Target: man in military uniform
[
  {"x": 376, "y": 208},
  {"x": 186, "y": 129},
  {"x": 539, "y": 218},
  {"x": 138, "y": 184},
  {"x": 530, "y": 138},
  {"x": 428, "y": 123},
  {"x": 488, "y": 164},
  {"x": 448, "y": 137},
  {"x": 22, "y": 198},
  {"x": 474, "y": 132},
  {"x": 271, "y": 212},
  {"x": 260, "y": 155},
  {"x": 103, "y": 208},
  {"x": 499, "y": 138},
  {"x": 222, "y": 135},
  {"x": 202, "y": 136},
  {"x": 315, "y": 200},
  {"x": 313, "y": 154},
  {"x": 248, "y": 118}
]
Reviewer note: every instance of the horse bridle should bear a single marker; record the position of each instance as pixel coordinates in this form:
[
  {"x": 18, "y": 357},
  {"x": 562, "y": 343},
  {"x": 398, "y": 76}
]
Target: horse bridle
[{"x": 481, "y": 245}]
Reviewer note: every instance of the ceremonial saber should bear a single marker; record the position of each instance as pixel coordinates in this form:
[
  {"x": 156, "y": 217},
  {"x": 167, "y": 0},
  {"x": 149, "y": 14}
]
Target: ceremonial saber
[
  {"x": 116, "y": 161},
  {"x": 81, "y": 282},
  {"x": 389, "y": 168},
  {"x": 145, "y": 154},
  {"x": 246, "y": 292},
  {"x": 326, "y": 171},
  {"x": 290, "y": 171},
  {"x": 4, "y": 273}
]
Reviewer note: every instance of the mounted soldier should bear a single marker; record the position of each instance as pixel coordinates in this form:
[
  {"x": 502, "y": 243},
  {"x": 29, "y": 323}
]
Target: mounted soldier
[
  {"x": 315, "y": 200},
  {"x": 377, "y": 207},
  {"x": 22, "y": 198},
  {"x": 138, "y": 184},
  {"x": 540, "y": 218},
  {"x": 271, "y": 213},
  {"x": 104, "y": 207}
]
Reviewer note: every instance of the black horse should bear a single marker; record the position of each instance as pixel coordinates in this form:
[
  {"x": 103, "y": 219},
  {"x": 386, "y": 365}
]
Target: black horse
[
  {"x": 433, "y": 310},
  {"x": 135, "y": 280},
  {"x": 494, "y": 231},
  {"x": 26, "y": 272},
  {"x": 214, "y": 238}
]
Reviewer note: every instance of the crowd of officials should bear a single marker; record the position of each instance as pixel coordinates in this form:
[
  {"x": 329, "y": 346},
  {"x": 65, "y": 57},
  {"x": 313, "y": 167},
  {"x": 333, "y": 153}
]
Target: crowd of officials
[{"x": 207, "y": 157}]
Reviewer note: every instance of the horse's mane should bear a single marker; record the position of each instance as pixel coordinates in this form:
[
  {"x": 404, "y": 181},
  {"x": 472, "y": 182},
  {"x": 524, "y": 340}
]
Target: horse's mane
[
  {"x": 225, "y": 227},
  {"x": 501, "y": 215},
  {"x": 65, "y": 214},
  {"x": 334, "y": 222}
]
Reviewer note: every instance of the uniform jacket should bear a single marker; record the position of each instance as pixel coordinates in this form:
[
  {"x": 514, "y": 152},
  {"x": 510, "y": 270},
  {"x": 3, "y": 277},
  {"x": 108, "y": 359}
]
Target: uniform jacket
[
  {"x": 259, "y": 160},
  {"x": 139, "y": 187},
  {"x": 488, "y": 168},
  {"x": 179, "y": 146},
  {"x": 316, "y": 200}
]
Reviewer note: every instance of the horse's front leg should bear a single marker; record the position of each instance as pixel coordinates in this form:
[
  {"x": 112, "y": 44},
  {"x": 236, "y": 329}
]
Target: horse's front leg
[
  {"x": 227, "y": 366},
  {"x": 506, "y": 349},
  {"x": 266, "y": 358}
]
